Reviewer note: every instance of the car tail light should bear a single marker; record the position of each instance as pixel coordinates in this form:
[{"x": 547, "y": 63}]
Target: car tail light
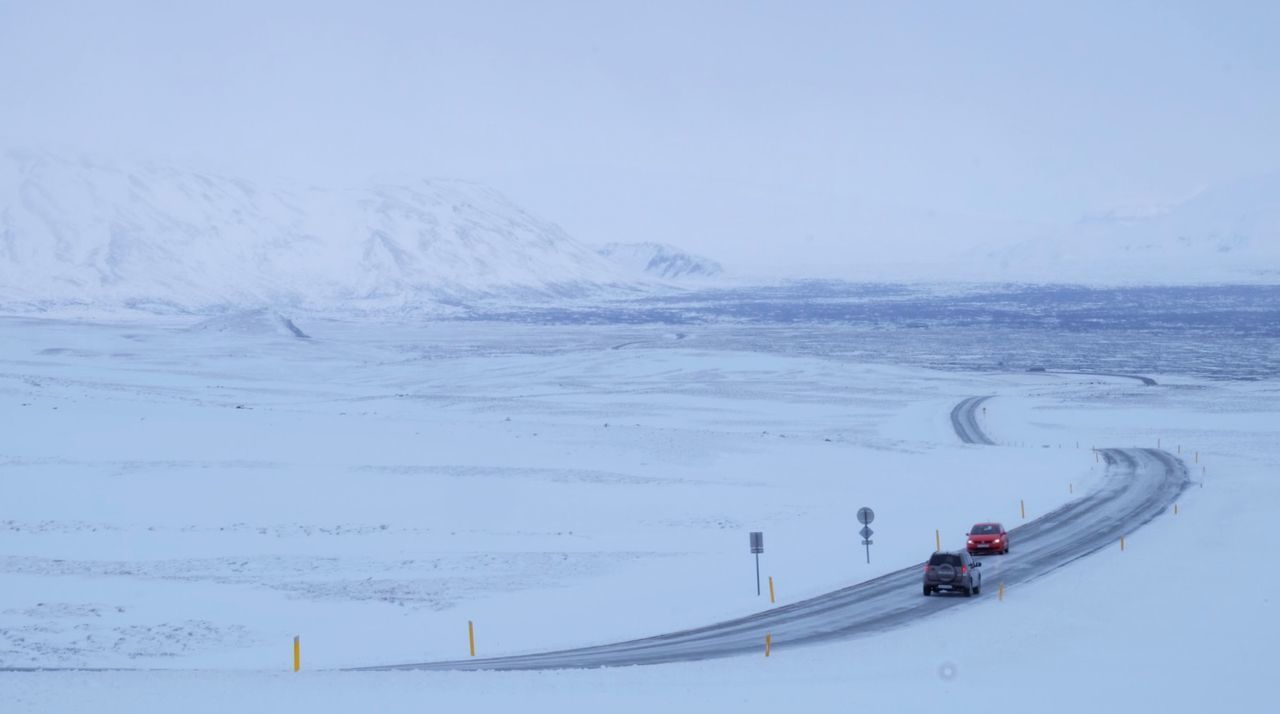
[{"x": 964, "y": 569}]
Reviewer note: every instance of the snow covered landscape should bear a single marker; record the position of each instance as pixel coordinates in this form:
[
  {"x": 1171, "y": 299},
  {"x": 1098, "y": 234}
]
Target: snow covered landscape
[
  {"x": 86, "y": 231},
  {"x": 565, "y": 357},
  {"x": 234, "y": 418},
  {"x": 182, "y": 501},
  {"x": 162, "y": 238}
]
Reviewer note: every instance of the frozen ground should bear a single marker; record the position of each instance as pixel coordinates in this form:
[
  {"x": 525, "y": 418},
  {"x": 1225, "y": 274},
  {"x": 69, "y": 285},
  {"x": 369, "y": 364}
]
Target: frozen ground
[
  {"x": 189, "y": 499},
  {"x": 1219, "y": 331}
]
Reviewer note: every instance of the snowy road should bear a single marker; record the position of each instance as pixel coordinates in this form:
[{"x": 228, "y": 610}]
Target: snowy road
[
  {"x": 964, "y": 419},
  {"x": 1140, "y": 484}
]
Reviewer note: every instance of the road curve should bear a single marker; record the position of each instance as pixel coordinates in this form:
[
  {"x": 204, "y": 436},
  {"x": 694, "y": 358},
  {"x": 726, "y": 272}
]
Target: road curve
[
  {"x": 964, "y": 420},
  {"x": 1140, "y": 484}
]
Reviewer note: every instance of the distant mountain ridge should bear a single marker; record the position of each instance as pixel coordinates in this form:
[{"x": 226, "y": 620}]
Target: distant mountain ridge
[
  {"x": 148, "y": 235},
  {"x": 87, "y": 232},
  {"x": 660, "y": 260},
  {"x": 1225, "y": 233}
]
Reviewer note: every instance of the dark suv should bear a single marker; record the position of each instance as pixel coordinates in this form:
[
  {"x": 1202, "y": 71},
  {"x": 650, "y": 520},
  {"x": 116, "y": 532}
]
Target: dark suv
[{"x": 956, "y": 571}]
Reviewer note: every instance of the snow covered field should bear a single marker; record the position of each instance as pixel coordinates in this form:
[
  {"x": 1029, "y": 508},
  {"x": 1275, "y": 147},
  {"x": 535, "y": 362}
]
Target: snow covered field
[{"x": 187, "y": 497}]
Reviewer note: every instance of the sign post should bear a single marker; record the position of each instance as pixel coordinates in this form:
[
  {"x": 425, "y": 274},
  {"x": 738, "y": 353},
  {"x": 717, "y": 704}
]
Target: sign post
[
  {"x": 865, "y": 517},
  {"x": 757, "y": 547}
]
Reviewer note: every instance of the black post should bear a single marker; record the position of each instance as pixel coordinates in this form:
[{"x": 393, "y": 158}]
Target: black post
[
  {"x": 864, "y": 542},
  {"x": 757, "y": 547}
]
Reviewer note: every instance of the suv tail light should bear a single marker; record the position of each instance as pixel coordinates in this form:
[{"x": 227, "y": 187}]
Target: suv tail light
[
  {"x": 927, "y": 568},
  {"x": 964, "y": 569}
]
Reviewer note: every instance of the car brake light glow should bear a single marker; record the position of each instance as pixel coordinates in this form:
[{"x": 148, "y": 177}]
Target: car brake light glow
[{"x": 964, "y": 569}]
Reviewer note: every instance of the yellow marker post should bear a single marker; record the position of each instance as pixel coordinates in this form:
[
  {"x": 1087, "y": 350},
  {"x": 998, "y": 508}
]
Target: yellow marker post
[
  {"x": 1071, "y": 488},
  {"x": 297, "y": 653},
  {"x": 1197, "y": 457},
  {"x": 1000, "y": 595},
  {"x": 1158, "y": 443},
  {"x": 768, "y": 644},
  {"x": 771, "y": 598},
  {"x": 1175, "y": 509},
  {"x": 937, "y": 540},
  {"x": 1096, "y": 459},
  {"x": 1022, "y": 505},
  {"x": 1121, "y": 542},
  {"x": 471, "y": 636}
]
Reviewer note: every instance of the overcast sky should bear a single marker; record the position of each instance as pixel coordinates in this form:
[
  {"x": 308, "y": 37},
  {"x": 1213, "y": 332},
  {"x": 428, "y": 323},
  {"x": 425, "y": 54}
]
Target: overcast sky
[{"x": 735, "y": 129}]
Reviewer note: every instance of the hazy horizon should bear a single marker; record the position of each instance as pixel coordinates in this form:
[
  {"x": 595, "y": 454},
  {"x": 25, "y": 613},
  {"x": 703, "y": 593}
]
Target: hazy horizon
[{"x": 736, "y": 130}]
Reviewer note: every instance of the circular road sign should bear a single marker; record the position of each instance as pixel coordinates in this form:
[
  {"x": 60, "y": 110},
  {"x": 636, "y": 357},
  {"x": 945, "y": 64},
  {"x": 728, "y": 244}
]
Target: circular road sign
[{"x": 866, "y": 515}]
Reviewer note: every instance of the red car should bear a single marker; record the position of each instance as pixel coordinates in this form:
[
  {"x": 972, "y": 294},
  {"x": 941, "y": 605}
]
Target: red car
[{"x": 988, "y": 538}]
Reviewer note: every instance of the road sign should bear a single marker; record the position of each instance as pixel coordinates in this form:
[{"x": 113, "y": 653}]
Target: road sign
[
  {"x": 866, "y": 515},
  {"x": 865, "y": 532},
  {"x": 868, "y": 542}
]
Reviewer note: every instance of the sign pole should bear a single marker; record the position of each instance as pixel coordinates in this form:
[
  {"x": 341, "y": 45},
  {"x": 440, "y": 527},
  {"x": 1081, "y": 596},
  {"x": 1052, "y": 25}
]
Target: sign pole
[
  {"x": 757, "y": 547},
  {"x": 865, "y": 517}
]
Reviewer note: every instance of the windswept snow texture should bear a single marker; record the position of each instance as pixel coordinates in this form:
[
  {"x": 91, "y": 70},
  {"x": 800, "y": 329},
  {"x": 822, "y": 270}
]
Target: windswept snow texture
[
  {"x": 164, "y": 238},
  {"x": 661, "y": 261}
]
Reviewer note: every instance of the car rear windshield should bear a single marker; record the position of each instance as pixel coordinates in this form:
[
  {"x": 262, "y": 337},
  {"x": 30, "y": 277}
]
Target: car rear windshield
[
  {"x": 985, "y": 529},
  {"x": 944, "y": 559}
]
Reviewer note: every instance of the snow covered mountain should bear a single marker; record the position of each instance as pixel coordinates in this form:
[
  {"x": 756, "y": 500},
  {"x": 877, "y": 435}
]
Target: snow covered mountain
[
  {"x": 1226, "y": 233},
  {"x": 156, "y": 237},
  {"x": 660, "y": 260},
  {"x": 159, "y": 237}
]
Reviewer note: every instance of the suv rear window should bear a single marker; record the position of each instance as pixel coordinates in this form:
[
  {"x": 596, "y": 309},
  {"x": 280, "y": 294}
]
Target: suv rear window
[{"x": 944, "y": 559}]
